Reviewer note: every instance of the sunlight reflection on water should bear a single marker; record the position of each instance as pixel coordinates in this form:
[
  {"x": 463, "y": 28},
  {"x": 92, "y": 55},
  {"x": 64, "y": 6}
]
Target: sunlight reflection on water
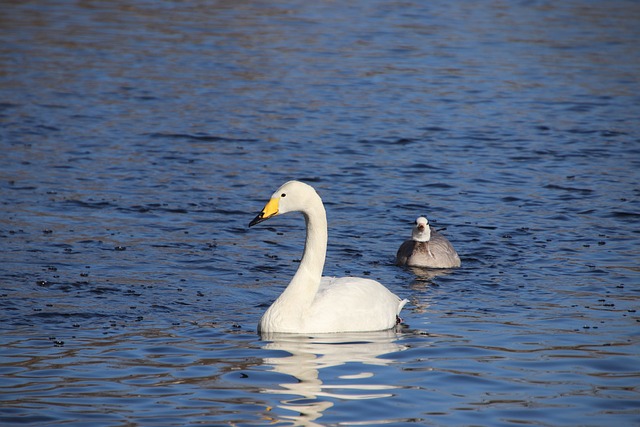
[{"x": 307, "y": 356}]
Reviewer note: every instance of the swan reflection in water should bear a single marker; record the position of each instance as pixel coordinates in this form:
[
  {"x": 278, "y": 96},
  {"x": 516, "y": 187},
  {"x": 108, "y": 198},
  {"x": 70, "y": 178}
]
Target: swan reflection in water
[
  {"x": 308, "y": 355},
  {"x": 423, "y": 284}
]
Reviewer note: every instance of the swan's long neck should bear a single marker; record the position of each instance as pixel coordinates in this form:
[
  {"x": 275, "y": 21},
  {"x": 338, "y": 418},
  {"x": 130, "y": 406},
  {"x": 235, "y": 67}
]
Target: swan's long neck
[
  {"x": 304, "y": 285},
  {"x": 315, "y": 246}
]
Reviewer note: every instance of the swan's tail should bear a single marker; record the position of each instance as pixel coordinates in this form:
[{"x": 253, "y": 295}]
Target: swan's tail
[{"x": 401, "y": 304}]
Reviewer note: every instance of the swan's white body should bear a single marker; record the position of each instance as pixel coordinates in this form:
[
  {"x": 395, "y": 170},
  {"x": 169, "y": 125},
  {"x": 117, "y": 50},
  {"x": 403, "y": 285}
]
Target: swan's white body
[
  {"x": 427, "y": 248},
  {"x": 315, "y": 304}
]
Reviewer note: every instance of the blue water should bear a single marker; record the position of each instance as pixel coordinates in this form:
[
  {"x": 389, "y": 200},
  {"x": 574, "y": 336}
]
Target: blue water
[{"x": 139, "y": 139}]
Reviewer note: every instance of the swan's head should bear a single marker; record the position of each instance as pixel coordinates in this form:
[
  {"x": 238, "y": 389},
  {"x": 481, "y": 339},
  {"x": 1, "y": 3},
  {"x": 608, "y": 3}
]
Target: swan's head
[
  {"x": 290, "y": 197},
  {"x": 421, "y": 231}
]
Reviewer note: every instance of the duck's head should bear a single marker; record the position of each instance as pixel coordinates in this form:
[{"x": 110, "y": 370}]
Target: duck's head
[
  {"x": 421, "y": 230},
  {"x": 290, "y": 197}
]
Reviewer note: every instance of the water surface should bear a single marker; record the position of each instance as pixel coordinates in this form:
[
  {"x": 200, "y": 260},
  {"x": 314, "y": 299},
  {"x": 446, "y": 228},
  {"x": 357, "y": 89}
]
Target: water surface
[{"x": 139, "y": 141}]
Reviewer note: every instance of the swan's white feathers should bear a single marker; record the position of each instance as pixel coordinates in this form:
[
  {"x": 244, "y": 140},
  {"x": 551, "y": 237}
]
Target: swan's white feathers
[
  {"x": 315, "y": 304},
  {"x": 351, "y": 298}
]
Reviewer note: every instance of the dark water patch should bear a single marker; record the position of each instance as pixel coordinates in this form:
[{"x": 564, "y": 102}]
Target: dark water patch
[
  {"x": 405, "y": 141},
  {"x": 175, "y": 210},
  {"x": 12, "y": 186},
  {"x": 583, "y": 191},
  {"x": 511, "y": 199},
  {"x": 162, "y": 308},
  {"x": 351, "y": 253},
  {"x": 175, "y": 245},
  {"x": 592, "y": 153},
  {"x": 412, "y": 207},
  {"x": 548, "y": 153},
  {"x": 268, "y": 268},
  {"x": 199, "y": 137},
  {"x": 523, "y": 158},
  {"x": 607, "y": 133},
  {"x": 625, "y": 215},
  {"x": 371, "y": 142},
  {"x": 153, "y": 208},
  {"x": 480, "y": 138},
  {"x": 48, "y": 128},
  {"x": 90, "y": 204},
  {"x": 103, "y": 289},
  {"x": 56, "y": 316},
  {"x": 179, "y": 159},
  {"x": 54, "y": 106},
  {"x": 587, "y": 212},
  {"x": 22, "y": 418},
  {"x": 311, "y": 178},
  {"x": 421, "y": 167},
  {"x": 66, "y": 286},
  {"x": 144, "y": 208},
  {"x": 139, "y": 208},
  {"x": 79, "y": 156},
  {"x": 346, "y": 151},
  {"x": 230, "y": 213},
  {"x": 440, "y": 185},
  {"x": 90, "y": 242},
  {"x": 86, "y": 117},
  {"x": 479, "y": 226},
  {"x": 582, "y": 108},
  {"x": 435, "y": 129},
  {"x": 9, "y": 105}
]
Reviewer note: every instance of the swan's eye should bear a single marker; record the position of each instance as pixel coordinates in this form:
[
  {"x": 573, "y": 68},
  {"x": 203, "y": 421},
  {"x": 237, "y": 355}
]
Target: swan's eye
[{"x": 283, "y": 195}]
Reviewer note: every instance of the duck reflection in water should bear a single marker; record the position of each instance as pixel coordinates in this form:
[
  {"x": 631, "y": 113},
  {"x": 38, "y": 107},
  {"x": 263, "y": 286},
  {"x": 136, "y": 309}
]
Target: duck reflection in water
[{"x": 307, "y": 356}]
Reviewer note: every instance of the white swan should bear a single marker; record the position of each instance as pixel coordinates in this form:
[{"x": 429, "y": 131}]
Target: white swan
[
  {"x": 427, "y": 248},
  {"x": 315, "y": 304}
]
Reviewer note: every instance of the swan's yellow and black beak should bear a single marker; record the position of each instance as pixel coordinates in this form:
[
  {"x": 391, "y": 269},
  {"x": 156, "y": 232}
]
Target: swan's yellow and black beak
[{"x": 270, "y": 209}]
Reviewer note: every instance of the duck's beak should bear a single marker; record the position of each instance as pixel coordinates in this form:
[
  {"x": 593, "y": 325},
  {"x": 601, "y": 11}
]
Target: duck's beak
[{"x": 270, "y": 209}]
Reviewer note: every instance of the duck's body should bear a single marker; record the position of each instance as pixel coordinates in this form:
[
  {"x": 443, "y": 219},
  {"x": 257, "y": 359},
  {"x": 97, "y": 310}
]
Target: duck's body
[
  {"x": 315, "y": 304},
  {"x": 427, "y": 248}
]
